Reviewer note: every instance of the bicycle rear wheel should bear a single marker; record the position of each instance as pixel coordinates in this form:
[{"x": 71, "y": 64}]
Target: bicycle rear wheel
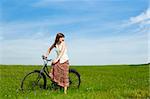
[
  {"x": 74, "y": 79},
  {"x": 33, "y": 81}
]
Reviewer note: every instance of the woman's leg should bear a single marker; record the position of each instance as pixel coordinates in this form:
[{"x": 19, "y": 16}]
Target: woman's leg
[
  {"x": 65, "y": 89},
  {"x": 51, "y": 72}
]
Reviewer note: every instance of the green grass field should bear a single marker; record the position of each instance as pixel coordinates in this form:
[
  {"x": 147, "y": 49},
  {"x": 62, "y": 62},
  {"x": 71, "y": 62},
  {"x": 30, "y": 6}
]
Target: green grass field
[{"x": 98, "y": 82}]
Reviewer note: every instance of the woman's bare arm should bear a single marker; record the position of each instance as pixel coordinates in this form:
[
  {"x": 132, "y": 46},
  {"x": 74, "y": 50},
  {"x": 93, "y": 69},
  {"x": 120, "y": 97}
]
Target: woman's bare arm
[{"x": 62, "y": 51}]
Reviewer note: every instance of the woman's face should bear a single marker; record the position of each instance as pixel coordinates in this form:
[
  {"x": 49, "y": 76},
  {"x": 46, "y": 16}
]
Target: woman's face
[{"x": 61, "y": 39}]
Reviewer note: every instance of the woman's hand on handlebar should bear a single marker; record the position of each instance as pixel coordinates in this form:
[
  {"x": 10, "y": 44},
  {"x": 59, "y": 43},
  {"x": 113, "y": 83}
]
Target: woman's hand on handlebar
[{"x": 44, "y": 56}]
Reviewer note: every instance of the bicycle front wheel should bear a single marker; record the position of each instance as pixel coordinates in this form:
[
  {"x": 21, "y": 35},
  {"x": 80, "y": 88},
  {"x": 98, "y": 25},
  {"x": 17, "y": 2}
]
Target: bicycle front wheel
[{"x": 33, "y": 81}]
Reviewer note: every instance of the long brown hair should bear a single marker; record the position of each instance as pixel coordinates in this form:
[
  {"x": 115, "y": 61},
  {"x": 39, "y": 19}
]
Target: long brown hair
[{"x": 59, "y": 35}]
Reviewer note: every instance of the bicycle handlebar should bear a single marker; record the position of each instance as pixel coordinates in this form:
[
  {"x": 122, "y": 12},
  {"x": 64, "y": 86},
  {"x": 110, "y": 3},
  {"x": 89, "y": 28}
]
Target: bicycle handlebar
[{"x": 45, "y": 58}]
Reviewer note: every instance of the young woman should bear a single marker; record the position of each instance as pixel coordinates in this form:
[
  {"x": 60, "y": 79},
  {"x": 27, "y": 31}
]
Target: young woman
[{"x": 60, "y": 65}]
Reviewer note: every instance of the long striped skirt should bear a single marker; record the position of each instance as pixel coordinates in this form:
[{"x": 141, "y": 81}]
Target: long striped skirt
[{"x": 60, "y": 73}]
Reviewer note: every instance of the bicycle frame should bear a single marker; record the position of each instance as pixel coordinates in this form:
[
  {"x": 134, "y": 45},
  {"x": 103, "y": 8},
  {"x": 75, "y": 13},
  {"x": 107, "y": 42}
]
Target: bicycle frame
[{"x": 45, "y": 67}]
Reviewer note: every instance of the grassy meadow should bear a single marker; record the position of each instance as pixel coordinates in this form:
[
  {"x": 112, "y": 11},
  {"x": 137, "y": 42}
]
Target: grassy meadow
[{"x": 98, "y": 82}]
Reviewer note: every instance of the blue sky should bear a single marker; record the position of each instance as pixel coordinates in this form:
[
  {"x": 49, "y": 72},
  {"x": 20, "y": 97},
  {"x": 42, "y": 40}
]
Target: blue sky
[{"x": 97, "y": 31}]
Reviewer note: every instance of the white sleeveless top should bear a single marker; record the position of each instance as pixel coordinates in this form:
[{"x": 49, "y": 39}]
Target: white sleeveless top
[{"x": 64, "y": 57}]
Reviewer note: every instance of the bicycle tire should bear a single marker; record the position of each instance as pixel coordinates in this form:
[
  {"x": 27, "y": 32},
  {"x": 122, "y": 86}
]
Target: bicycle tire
[
  {"x": 75, "y": 83},
  {"x": 41, "y": 75}
]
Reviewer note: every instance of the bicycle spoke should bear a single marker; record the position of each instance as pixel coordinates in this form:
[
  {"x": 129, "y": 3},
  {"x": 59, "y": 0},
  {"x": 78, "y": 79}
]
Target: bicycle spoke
[
  {"x": 73, "y": 80},
  {"x": 33, "y": 81}
]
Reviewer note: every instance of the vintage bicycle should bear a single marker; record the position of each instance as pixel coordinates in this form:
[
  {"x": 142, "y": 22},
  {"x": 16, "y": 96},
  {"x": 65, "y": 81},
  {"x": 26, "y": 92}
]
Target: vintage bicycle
[{"x": 37, "y": 79}]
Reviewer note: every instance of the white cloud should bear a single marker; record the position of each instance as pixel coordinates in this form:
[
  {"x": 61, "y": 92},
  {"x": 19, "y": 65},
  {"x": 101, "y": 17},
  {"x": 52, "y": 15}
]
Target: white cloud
[
  {"x": 114, "y": 50},
  {"x": 23, "y": 51},
  {"x": 39, "y": 27},
  {"x": 143, "y": 17},
  {"x": 109, "y": 50},
  {"x": 142, "y": 20}
]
